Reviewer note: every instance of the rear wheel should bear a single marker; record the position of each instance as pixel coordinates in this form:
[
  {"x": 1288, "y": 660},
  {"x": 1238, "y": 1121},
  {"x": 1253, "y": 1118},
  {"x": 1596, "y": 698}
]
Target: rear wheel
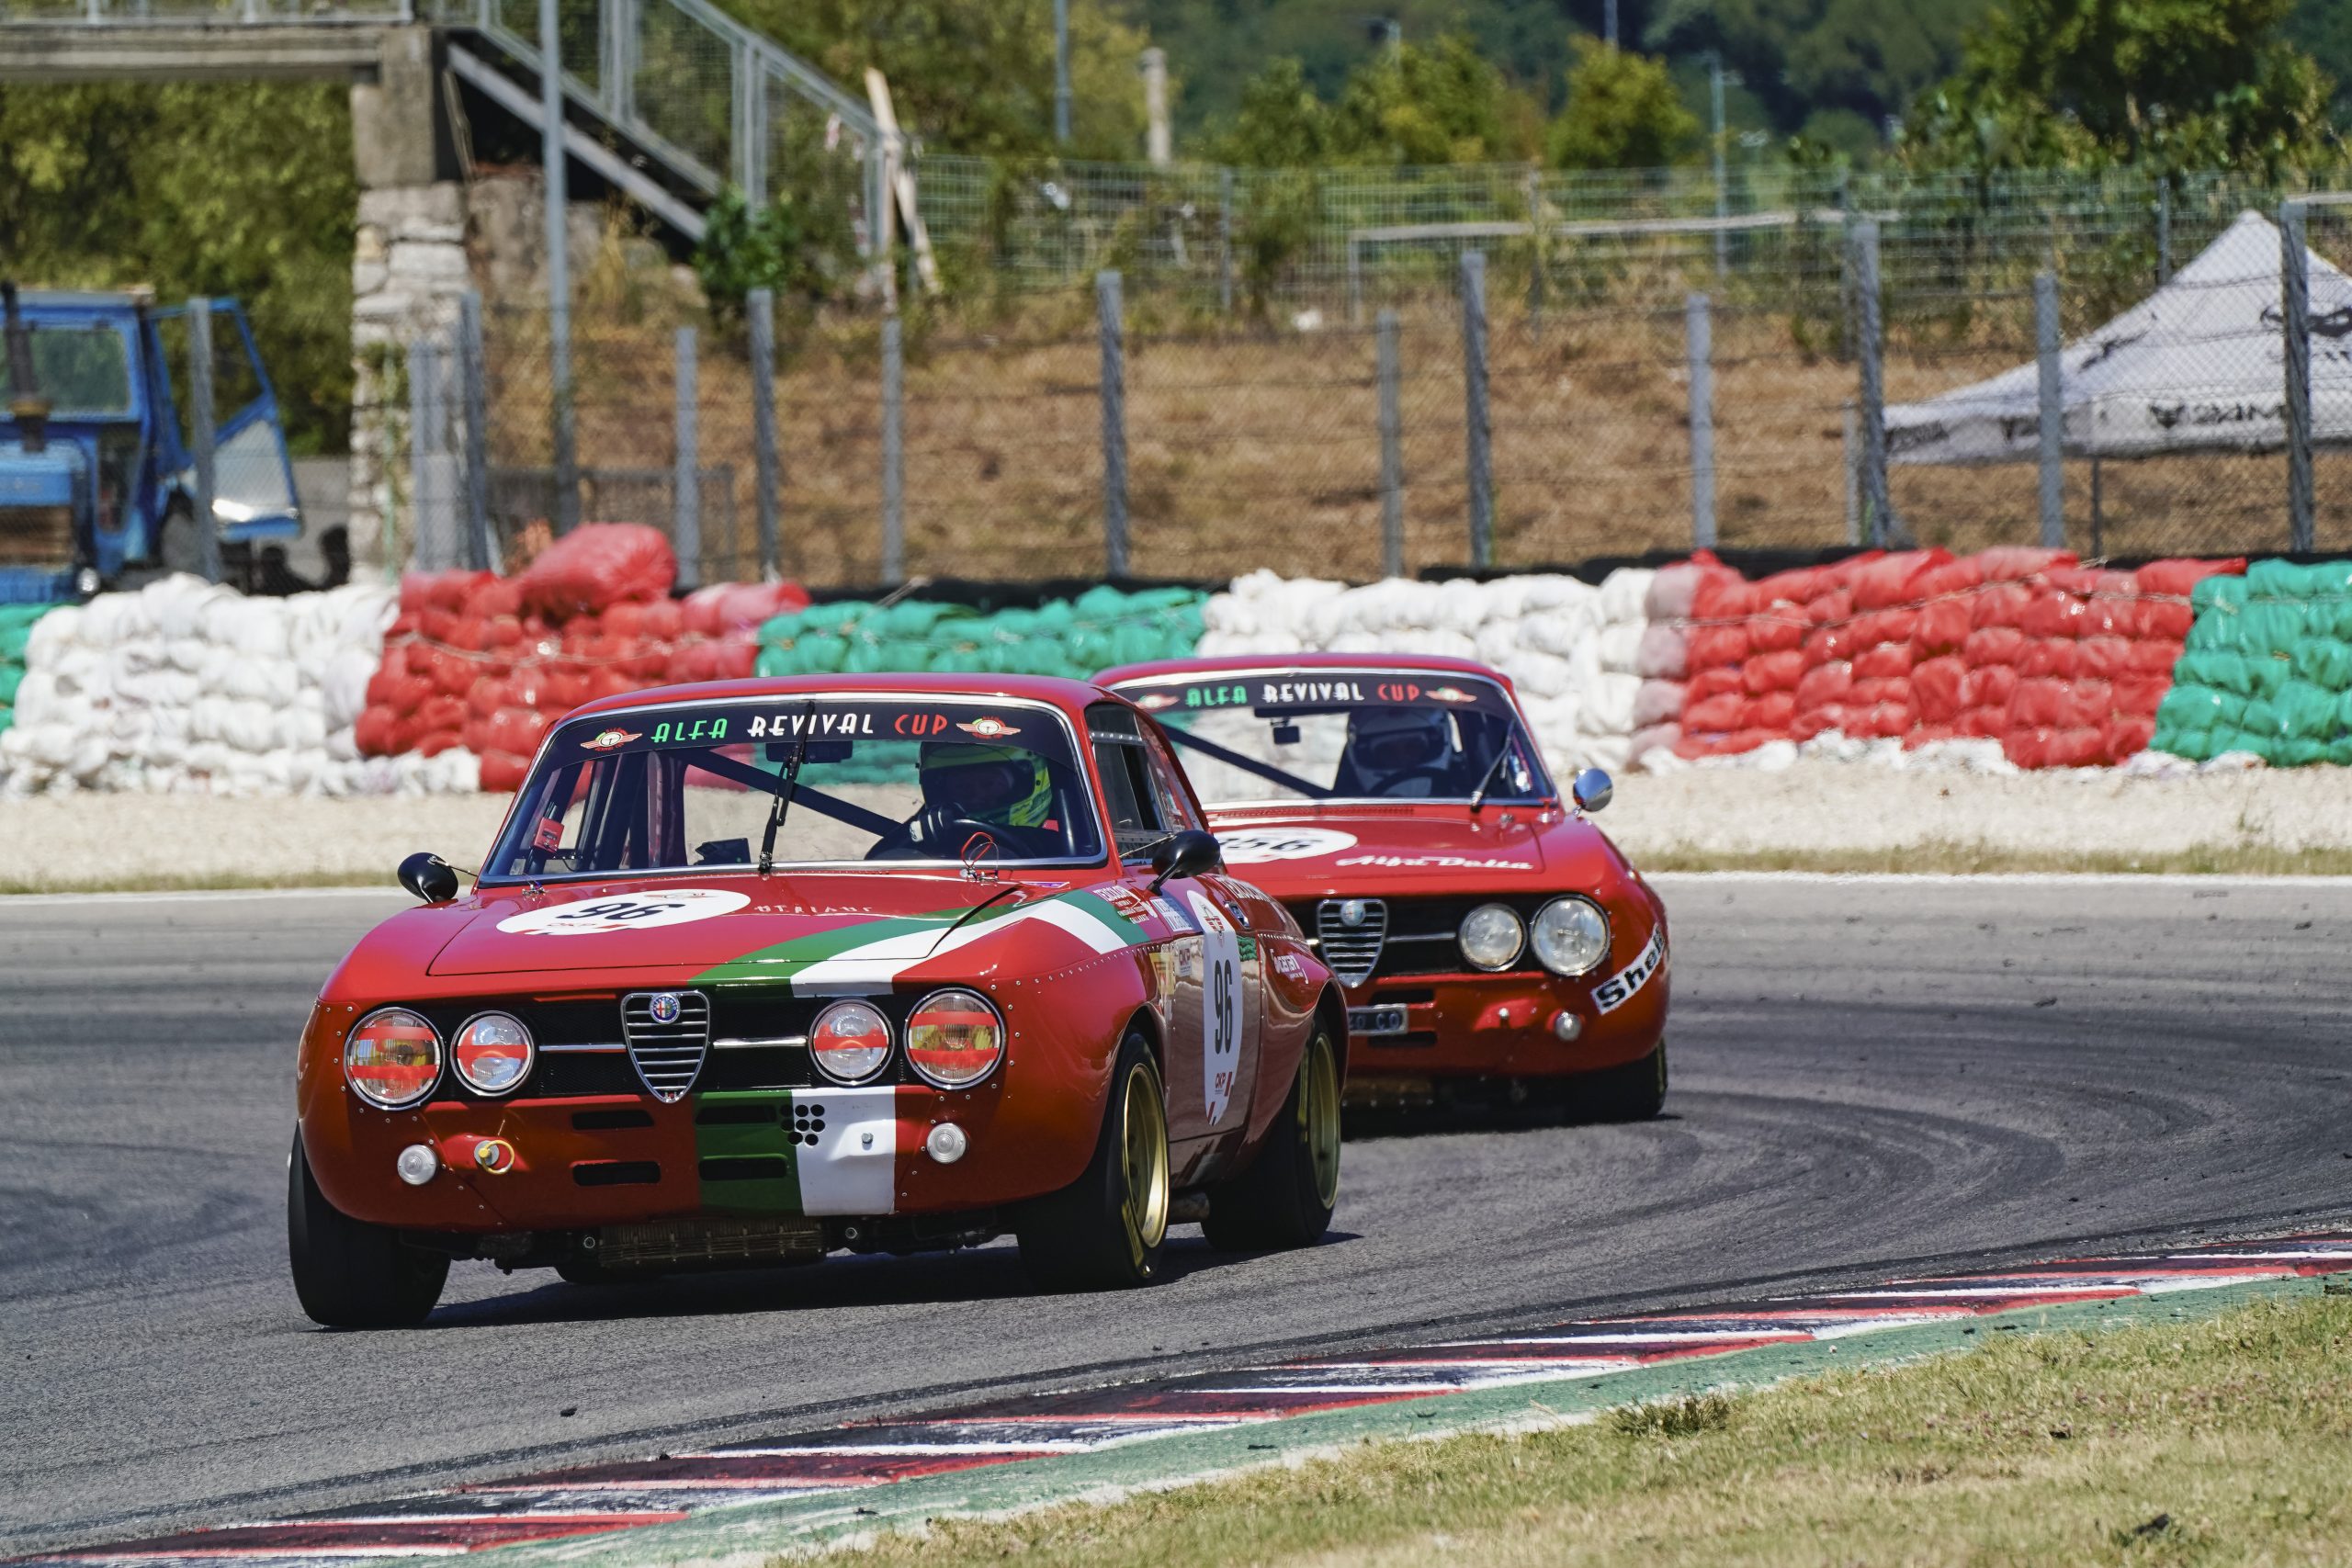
[
  {"x": 1635, "y": 1092},
  {"x": 349, "y": 1273},
  {"x": 1105, "y": 1230},
  {"x": 1286, "y": 1197}
]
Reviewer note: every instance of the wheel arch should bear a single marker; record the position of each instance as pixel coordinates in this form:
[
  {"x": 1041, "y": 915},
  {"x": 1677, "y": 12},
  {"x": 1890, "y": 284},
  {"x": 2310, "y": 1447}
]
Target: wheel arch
[{"x": 1332, "y": 1011}]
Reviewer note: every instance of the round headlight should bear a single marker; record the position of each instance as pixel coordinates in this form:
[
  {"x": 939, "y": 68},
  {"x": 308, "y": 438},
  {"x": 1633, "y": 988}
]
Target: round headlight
[
  {"x": 1571, "y": 936},
  {"x": 1492, "y": 936},
  {"x": 393, "y": 1058},
  {"x": 493, "y": 1052},
  {"x": 955, "y": 1039},
  {"x": 850, "y": 1041}
]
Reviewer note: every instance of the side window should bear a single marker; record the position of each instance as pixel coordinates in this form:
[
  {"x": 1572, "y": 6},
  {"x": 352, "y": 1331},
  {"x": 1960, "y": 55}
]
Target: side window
[
  {"x": 1175, "y": 804},
  {"x": 1130, "y": 795}
]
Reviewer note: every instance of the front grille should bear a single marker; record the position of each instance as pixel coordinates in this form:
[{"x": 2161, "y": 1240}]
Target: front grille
[
  {"x": 1351, "y": 952},
  {"x": 670, "y": 1243},
  {"x": 1418, "y": 936},
  {"x": 40, "y": 536},
  {"x": 668, "y": 1055}
]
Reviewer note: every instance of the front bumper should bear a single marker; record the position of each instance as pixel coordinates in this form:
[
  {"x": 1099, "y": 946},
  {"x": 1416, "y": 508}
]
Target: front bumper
[{"x": 1479, "y": 1025}]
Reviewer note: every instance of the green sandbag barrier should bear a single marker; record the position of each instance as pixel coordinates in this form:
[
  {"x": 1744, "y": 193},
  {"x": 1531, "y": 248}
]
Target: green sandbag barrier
[
  {"x": 1069, "y": 637},
  {"x": 2266, "y": 668}
]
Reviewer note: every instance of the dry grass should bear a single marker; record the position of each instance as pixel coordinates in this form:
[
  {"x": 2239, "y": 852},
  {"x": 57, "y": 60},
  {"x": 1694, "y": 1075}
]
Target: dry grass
[
  {"x": 2228, "y": 1441},
  {"x": 1260, "y": 446}
]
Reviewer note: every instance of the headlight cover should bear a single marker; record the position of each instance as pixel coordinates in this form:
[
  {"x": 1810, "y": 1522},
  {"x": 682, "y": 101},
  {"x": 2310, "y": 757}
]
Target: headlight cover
[
  {"x": 493, "y": 1052},
  {"x": 1492, "y": 936},
  {"x": 391, "y": 1059},
  {"x": 850, "y": 1041},
  {"x": 1571, "y": 936},
  {"x": 954, "y": 1038}
]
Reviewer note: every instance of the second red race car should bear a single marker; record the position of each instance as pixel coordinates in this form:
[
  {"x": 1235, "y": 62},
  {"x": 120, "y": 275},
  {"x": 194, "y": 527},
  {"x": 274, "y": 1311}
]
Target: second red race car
[{"x": 1496, "y": 946}]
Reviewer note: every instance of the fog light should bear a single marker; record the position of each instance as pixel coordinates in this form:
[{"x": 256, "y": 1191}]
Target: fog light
[
  {"x": 946, "y": 1143},
  {"x": 417, "y": 1164},
  {"x": 1567, "y": 1025}
]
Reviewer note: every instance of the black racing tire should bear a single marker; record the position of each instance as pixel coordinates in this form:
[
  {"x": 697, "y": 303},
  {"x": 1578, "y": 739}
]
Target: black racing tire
[
  {"x": 1284, "y": 1198},
  {"x": 1633, "y": 1092},
  {"x": 349, "y": 1273},
  {"x": 1106, "y": 1230}
]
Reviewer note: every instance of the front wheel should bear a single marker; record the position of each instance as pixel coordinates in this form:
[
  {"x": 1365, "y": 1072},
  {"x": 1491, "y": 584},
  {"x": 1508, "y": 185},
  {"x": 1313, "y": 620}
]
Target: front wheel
[
  {"x": 349, "y": 1273},
  {"x": 1105, "y": 1230},
  {"x": 1633, "y": 1092},
  {"x": 1285, "y": 1196}
]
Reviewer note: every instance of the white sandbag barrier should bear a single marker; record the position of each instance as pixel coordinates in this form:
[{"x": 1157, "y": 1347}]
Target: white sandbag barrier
[
  {"x": 1599, "y": 669},
  {"x": 186, "y": 687}
]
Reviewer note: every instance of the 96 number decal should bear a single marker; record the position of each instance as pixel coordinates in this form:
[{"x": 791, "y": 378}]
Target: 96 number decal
[
  {"x": 626, "y": 912},
  {"x": 1221, "y": 1006}
]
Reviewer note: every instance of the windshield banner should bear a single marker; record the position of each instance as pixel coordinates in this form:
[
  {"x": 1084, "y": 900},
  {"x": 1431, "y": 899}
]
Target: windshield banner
[
  {"x": 746, "y": 723},
  {"x": 1271, "y": 693}
]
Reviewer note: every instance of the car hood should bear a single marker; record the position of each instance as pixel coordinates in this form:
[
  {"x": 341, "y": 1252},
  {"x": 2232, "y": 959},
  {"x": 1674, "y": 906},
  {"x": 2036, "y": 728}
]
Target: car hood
[
  {"x": 1315, "y": 850},
  {"x": 821, "y": 932}
]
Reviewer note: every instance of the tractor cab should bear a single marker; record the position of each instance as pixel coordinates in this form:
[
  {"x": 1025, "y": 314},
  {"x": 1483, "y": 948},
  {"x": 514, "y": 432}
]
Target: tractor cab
[{"x": 97, "y": 474}]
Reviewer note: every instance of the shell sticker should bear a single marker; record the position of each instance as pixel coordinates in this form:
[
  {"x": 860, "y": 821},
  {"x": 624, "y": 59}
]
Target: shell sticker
[
  {"x": 626, "y": 912},
  {"x": 1255, "y": 846}
]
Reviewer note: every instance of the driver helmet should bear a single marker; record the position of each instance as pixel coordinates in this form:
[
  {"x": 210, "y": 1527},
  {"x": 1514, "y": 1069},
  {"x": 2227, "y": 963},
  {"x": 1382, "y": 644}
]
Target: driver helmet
[
  {"x": 1386, "y": 744},
  {"x": 1003, "y": 785}
]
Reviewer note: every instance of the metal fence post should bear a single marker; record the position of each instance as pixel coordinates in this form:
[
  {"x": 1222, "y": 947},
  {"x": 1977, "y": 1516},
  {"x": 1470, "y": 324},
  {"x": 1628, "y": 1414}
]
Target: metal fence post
[
  {"x": 552, "y": 157},
  {"x": 760, "y": 308},
  {"x": 894, "y": 450},
  {"x": 1225, "y": 241},
  {"x": 686, "y": 480},
  {"x": 200, "y": 434},
  {"x": 2164, "y": 229},
  {"x": 1878, "y": 513},
  {"x": 1479, "y": 445},
  {"x": 2295, "y": 287},
  {"x": 2053, "y": 410},
  {"x": 1392, "y": 450},
  {"x": 1111, "y": 321},
  {"x": 1699, "y": 329},
  {"x": 1853, "y": 454},
  {"x": 482, "y": 548}
]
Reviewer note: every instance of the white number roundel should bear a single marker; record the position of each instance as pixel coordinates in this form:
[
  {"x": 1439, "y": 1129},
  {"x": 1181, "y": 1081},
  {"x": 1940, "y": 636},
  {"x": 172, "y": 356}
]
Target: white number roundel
[
  {"x": 1254, "y": 846},
  {"x": 1220, "y": 1006},
  {"x": 626, "y": 912}
]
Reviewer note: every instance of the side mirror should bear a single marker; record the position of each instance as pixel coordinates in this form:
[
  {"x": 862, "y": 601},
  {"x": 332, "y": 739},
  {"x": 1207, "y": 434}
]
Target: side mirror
[
  {"x": 1186, "y": 853},
  {"x": 1592, "y": 789},
  {"x": 431, "y": 879}
]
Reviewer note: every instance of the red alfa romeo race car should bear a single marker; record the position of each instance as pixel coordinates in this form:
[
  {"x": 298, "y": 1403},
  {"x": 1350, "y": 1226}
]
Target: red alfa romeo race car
[
  {"x": 763, "y": 969},
  {"x": 1492, "y": 941}
]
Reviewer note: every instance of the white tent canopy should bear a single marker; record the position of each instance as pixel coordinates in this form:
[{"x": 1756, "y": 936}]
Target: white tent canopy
[{"x": 2196, "y": 367}]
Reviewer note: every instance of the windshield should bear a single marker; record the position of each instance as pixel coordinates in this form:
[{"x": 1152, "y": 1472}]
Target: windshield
[
  {"x": 1371, "y": 734},
  {"x": 82, "y": 370},
  {"x": 699, "y": 786}
]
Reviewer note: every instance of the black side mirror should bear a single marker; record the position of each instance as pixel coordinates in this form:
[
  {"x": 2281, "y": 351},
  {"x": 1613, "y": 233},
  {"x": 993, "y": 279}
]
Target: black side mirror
[
  {"x": 1186, "y": 853},
  {"x": 431, "y": 879}
]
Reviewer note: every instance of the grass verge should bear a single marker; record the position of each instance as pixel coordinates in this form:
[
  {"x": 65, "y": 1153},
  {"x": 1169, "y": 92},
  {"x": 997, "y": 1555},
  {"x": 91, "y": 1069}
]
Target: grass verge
[
  {"x": 2223, "y": 1440},
  {"x": 1948, "y": 857}
]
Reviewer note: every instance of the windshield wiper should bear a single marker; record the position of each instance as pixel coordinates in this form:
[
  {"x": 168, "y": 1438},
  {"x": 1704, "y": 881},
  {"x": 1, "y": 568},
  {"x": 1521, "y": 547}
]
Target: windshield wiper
[
  {"x": 1479, "y": 795},
  {"x": 784, "y": 797}
]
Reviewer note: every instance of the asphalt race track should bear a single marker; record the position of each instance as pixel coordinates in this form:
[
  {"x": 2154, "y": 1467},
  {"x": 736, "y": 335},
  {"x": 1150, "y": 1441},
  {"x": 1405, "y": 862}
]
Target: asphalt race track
[{"x": 1867, "y": 1076}]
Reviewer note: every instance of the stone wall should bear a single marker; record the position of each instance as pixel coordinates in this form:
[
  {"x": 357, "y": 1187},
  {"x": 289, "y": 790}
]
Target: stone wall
[{"x": 408, "y": 272}]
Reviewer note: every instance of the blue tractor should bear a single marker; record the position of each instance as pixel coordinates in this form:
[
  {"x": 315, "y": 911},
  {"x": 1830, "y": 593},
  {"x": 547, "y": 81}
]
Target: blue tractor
[{"x": 97, "y": 482}]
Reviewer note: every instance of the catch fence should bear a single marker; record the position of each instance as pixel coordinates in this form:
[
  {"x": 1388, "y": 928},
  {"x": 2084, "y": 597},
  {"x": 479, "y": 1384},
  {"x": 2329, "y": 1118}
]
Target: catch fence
[{"x": 1485, "y": 411}]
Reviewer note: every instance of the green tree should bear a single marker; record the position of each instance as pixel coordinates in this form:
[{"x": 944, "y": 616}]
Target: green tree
[
  {"x": 2167, "y": 83},
  {"x": 1280, "y": 123},
  {"x": 245, "y": 190},
  {"x": 1624, "y": 112},
  {"x": 1438, "y": 103},
  {"x": 975, "y": 78},
  {"x": 1820, "y": 66}
]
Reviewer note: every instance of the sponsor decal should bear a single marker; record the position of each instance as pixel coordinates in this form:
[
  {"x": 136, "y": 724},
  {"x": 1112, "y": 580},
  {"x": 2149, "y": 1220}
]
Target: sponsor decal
[
  {"x": 1173, "y": 916},
  {"x": 1619, "y": 988},
  {"x": 1127, "y": 901},
  {"x": 1163, "y": 976},
  {"x": 1290, "y": 964},
  {"x": 1153, "y": 702},
  {"x": 1309, "y": 693},
  {"x": 1221, "y": 1006},
  {"x": 795, "y": 723},
  {"x": 1255, "y": 846},
  {"x": 990, "y": 728},
  {"x": 605, "y": 739},
  {"x": 626, "y": 912},
  {"x": 1450, "y": 862},
  {"x": 919, "y": 726},
  {"x": 1452, "y": 695},
  {"x": 712, "y": 729}
]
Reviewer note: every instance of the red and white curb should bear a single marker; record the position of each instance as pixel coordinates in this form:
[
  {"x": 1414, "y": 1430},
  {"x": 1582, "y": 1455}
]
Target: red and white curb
[{"x": 593, "y": 1499}]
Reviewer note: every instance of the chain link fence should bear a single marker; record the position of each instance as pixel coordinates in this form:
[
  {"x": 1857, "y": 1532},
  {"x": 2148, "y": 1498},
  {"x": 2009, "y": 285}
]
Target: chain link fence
[{"x": 1501, "y": 409}]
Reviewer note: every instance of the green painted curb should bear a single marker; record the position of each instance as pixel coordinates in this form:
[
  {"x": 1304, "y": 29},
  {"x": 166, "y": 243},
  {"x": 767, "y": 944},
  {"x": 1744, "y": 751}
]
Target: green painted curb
[{"x": 760, "y": 1531}]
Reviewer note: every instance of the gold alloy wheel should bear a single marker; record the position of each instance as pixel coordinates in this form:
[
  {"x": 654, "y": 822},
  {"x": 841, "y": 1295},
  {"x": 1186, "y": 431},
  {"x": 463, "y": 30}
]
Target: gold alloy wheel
[
  {"x": 1144, "y": 1148},
  {"x": 1319, "y": 1117}
]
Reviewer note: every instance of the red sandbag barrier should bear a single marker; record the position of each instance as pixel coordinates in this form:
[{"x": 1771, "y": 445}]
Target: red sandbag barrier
[
  {"x": 474, "y": 659},
  {"x": 2063, "y": 664}
]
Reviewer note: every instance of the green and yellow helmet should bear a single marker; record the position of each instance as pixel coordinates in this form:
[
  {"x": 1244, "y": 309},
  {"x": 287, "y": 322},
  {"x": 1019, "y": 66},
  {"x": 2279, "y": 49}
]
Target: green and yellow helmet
[{"x": 1002, "y": 784}]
